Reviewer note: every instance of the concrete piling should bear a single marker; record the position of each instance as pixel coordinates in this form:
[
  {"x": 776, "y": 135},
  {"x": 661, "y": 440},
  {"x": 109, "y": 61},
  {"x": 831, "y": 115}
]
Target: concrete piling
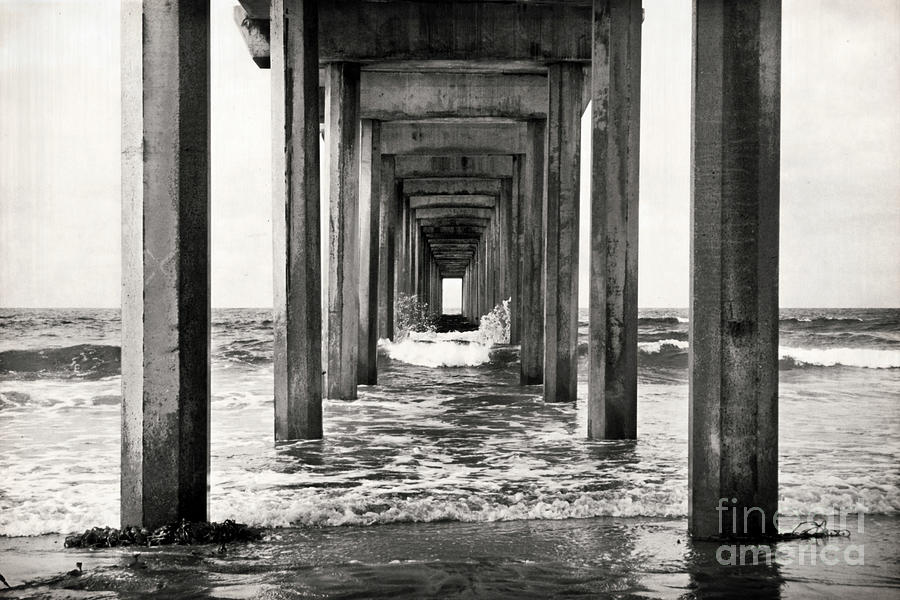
[
  {"x": 165, "y": 243},
  {"x": 297, "y": 306},
  {"x": 615, "y": 144},
  {"x": 561, "y": 198},
  {"x": 733, "y": 430},
  {"x": 342, "y": 137}
]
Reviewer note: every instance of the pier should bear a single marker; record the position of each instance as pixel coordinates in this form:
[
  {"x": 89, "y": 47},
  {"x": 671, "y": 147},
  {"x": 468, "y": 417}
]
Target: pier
[{"x": 452, "y": 142}]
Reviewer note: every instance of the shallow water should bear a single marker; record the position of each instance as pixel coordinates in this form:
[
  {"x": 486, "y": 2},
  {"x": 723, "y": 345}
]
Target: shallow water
[
  {"x": 426, "y": 444},
  {"x": 581, "y": 558}
]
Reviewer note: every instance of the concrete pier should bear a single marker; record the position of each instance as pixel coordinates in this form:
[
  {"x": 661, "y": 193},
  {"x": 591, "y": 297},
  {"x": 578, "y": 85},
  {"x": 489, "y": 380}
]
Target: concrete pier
[
  {"x": 297, "y": 311},
  {"x": 342, "y": 132},
  {"x": 561, "y": 198},
  {"x": 733, "y": 457},
  {"x": 165, "y": 243},
  {"x": 615, "y": 150},
  {"x": 453, "y": 150}
]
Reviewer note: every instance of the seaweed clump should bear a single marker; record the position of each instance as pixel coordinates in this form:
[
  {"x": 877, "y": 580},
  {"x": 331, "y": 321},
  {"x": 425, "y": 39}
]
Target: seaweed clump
[{"x": 182, "y": 532}]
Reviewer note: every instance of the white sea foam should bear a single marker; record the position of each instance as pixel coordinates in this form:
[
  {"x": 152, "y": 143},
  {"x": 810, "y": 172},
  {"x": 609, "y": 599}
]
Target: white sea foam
[
  {"x": 657, "y": 346},
  {"x": 437, "y": 352},
  {"x": 867, "y": 358}
]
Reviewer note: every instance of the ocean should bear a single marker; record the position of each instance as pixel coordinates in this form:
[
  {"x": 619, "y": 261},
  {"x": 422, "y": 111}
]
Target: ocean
[{"x": 447, "y": 438}]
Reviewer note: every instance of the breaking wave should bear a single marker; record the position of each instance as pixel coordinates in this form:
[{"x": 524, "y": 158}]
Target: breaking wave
[{"x": 87, "y": 361}]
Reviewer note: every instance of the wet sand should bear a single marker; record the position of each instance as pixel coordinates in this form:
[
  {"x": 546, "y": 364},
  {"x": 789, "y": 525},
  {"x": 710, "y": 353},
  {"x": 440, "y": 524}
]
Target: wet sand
[{"x": 646, "y": 558}]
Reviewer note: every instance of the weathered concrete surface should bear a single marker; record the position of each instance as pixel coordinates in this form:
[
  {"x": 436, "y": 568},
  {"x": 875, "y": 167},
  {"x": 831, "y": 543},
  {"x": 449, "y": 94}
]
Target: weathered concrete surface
[
  {"x": 429, "y": 186},
  {"x": 561, "y": 200},
  {"x": 369, "y": 224},
  {"x": 295, "y": 222},
  {"x": 358, "y": 31},
  {"x": 342, "y": 140},
  {"x": 391, "y": 96},
  {"x": 532, "y": 292},
  {"x": 441, "y": 138},
  {"x": 733, "y": 450},
  {"x": 256, "y": 34},
  {"x": 615, "y": 143},
  {"x": 389, "y": 210},
  {"x": 492, "y": 166},
  {"x": 165, "y": 251},
  {"x": 454, "y": 213},
  {"x": 445, "y": 200}
]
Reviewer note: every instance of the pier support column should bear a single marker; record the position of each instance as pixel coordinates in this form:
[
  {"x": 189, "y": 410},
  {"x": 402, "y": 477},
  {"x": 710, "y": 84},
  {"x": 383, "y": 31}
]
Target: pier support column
[
  {"x": 295, "y": 220},
  {"x": 369, "y": 237},
  {"x": 733, "y": 450},
  {"x": 615, "y": 147},
  {"x": 508, "y": 254},
  {"x": 561, "y": 232},
  {"x": 388, "y": 211},
  {"x": 165, "y": 274},
  {"x": 532, "y": 291},
  {"x": 342, "y": 136}
]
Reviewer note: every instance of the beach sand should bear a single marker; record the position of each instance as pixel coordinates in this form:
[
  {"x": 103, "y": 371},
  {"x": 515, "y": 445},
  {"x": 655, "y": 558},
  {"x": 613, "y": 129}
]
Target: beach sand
[{"x": 645, "y": 558}]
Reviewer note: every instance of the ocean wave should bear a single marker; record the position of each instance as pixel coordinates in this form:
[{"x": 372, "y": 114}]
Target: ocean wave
[
  {"x": 88, "y": 361},
  {"x": 863, "y": 358},
  {"x": 674, "y": 353},
  {"x": 318, "y": 510},
  {"x": 436, "y": 353},
  {"x": 819, "y": 320},
  {"x": 661, "y": 320}
]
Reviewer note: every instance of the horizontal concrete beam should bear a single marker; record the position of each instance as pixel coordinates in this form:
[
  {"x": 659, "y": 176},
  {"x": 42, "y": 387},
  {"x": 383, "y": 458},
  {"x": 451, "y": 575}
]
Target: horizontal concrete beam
[
  {"x": 396, "y": 96},
  {"x": 453, "y": 138},
  {"x": 494, "y": 32},
  {"x": 454, "y": 222},
  {"x": 453, "y": 213},
  {"x": 443, "y": 201},
  {"x": 474, "y": 166},
  {"x": 455, "y": 236},
  {"x": 450, "y": 185},
  {"x": 452, "y": 230},
  {"x": 255, "y": 32}
]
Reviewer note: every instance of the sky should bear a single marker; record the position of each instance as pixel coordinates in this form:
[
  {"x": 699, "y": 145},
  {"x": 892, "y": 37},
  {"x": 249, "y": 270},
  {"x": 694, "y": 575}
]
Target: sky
[{"x": 60, "y": 174}]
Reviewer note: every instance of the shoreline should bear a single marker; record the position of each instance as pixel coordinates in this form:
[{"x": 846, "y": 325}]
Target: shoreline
[{"x": 530, "y": 558}]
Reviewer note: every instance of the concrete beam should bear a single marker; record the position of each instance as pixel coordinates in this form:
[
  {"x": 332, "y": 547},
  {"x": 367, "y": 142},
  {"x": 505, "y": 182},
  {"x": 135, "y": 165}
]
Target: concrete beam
[
  {"x": 342, "y": 140},
  {"x": 454, "y": 213},
  {"x": 397, "y": 96},
  {"x": 615, "y": 143},
  {"x": 457, "y": 200},
  {"x": 475, "y": 166},
  {"x": 733, "y": 415},
  {"x": 256, "y": 34},
  {"x": 295, "y": 222},
  {"x": 452, "y": 230},
  {"x": 165, "y": 249},
  {"x": 359, "y": 31},
  {"x": 427, "y": 186},
  {"x": 464, "y": 138}
]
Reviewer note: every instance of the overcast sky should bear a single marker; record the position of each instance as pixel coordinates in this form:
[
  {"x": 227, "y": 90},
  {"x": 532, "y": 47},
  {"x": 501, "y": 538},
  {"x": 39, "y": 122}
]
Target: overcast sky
[{"x": 59, "y": 156}]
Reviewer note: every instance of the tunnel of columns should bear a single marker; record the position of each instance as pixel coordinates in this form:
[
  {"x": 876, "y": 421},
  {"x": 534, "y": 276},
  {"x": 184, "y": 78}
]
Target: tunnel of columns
[{"x": 452, "y": 144}]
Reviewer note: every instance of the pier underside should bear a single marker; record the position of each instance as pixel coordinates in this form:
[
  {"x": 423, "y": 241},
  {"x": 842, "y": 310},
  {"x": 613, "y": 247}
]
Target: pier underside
[{"x": 453, "y": 138}]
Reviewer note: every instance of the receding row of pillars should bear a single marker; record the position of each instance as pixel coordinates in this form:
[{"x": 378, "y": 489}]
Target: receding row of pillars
[{"x": 735, "y": 196}]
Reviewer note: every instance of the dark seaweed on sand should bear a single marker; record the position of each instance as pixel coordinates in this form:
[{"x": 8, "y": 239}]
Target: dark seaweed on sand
[{"x": 178, "y": 532}]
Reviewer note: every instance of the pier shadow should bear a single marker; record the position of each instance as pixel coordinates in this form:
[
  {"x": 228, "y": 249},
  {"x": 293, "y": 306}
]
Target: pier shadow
[{"x": 733, "y": 569}]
